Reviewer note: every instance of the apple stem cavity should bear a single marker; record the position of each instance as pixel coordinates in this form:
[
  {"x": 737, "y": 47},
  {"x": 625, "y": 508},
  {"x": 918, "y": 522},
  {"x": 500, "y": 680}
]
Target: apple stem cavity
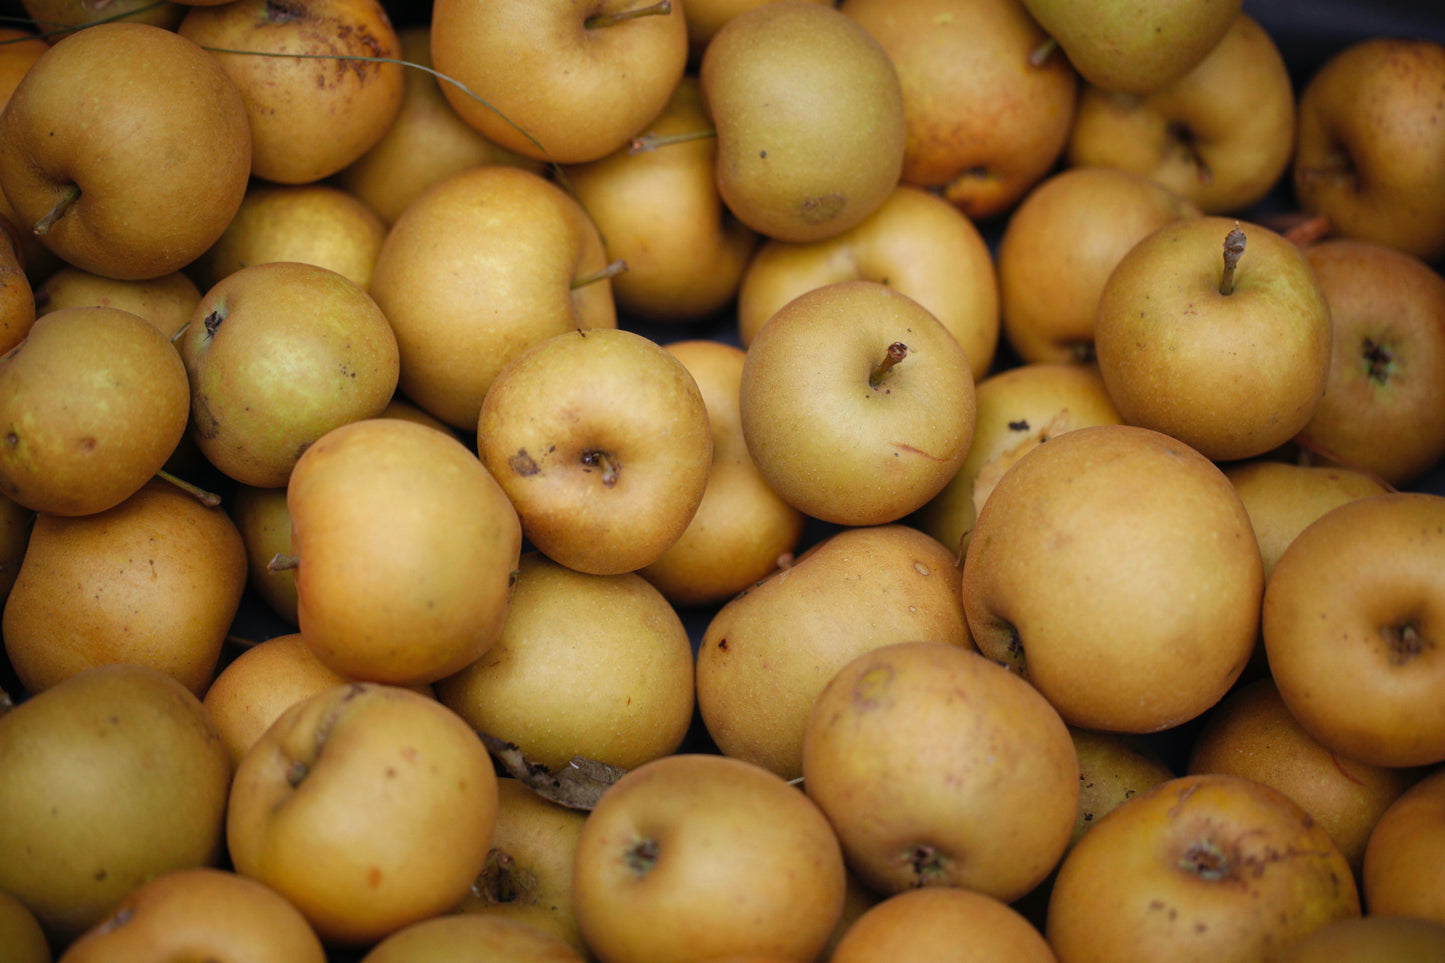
[
  {"x": 598, "y": 20},
  {"x": 896, "y": 352},
  {"x": 642, "y": 856},
  {"x": 597, "y": 458},
  {"x": 67, "y": 200},
  {"x": 605, "y": 274},
  {"x": 296, "y": 773},
  {"x": 650, "y": 141},
  {"x": 281, "y": 562},
  {"x": 1233, "y": 250},
  {"x": 209, "y": 499},
  {"x": 1206, "y": 860},
  {"x": 1404, "y": 642}
]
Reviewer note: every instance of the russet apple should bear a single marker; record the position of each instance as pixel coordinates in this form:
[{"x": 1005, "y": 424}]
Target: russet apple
[
  {"x": 946, "y": 924},
  {"x": 1371, "y": 939},
  {"x": 451, "y": 937},
  {"x": 1402, "y": 873},
  {"x": 264, "y": 522},
  {"x": 167, "y": 301}
]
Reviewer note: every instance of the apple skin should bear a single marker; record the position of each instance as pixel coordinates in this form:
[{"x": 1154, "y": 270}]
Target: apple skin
[
  {"x": 1198, "y": 868},
  {"x": 1368, "y": 143},
  {"x": 1371, "y": 939},
  {"x": 1232, "y": 375},
  {"x": 942, "y": 923},
  {"x": 369, "y": 807},
  {"x": 1402, "y": 873},
  {"x": 59, "y": 132}
]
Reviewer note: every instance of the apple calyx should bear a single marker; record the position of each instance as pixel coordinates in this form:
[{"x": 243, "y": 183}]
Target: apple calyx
[
  {"x": 650, "y": 141},
  {"x": 1404, "y": 642},
  {"x": 642, "y": 856},
  {"x": 67, "y": 199},
  {"x": 1379, "y": 361},
  {"x": 928, "y": 865},
  {"x": 1233, "y": 250},
  {"x": 209, "y": 499},
  {"x": 597, "y": 458},
  {"x": 597, "y": 20},
  {"x": 1206, "y": 860},
  {"x": 607, "y": 273},
  {"x": 281, "y": 562},
  {"x": 896, "y": 352}
]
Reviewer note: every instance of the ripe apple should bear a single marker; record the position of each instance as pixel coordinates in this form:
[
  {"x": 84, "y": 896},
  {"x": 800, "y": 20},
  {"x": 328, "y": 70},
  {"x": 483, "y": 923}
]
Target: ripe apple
[
  {"x": 1058, "y": 247},
  {"x": 264, "y": 522},
  {"x": 1380, "y": 412},
  {"x": 1369, "y": 142},
  {"x": 984, "y": 123},
  {"x": 80, "y": 138},
  {"x": 1113, "y": 768},
  {"x": 989, "y": 805},
  {"x": 167, "y": 302},
  {"x": 21, "y": 933},
  {"x": 857, "y": 405},
  {"x": 945, "y": 924},
  {"x": 481, "y": 266},
  {"x": 449, "y": 938},
  {"x": 1350, "y": 621},
  {"x": 1116, "y": 569},
  {"x": 1371, "y": 939},
  {"x": 602, "y": 442},
  {"x": 1215, "y": 332},
  {"x": 697, "y": 856},
  {"x": 1402, "y": 873},
  {"x": 309, "y": 115},
  {"x": 916, "y": 243},
  {"x": 1197, "y": 868},
  {"x": 766, "y": 654},
  {"x": 58, "y": 16},
  {"x": 16, "y": 522},
  {"x": 368, "y": 806}
]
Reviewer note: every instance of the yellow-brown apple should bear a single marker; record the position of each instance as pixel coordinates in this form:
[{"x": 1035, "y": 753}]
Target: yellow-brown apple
[
  {"x": 484, "y": 939},
  {"x": 167, "y": 302},
  {"x": 264, "y": 522},
  {"x": 21, "y": 933},
  {"x": 1405, "y": 854},
  {"x": 942, "y": 923},
  {"x": 1371, "y": 939}
]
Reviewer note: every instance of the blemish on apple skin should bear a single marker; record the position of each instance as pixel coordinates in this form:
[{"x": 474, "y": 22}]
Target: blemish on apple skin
[
  {"x": 373, "y": 876},
  {"x": 871, "y": 685},
  {"x": 523, "y": 464},
  {"x": 824, "y": 207},
  {"x": 1020, "y": 425}
]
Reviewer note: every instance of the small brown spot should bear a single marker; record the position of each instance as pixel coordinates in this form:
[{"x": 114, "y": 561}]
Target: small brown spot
[
  {"x": 522, "y": 463},
  {"x": 373, "y": 876},
  {"x": 824, "y": 207}
]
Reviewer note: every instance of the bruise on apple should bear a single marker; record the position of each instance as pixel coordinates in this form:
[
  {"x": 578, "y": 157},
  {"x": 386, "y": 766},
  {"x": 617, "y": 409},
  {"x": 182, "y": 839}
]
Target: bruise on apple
[
  {"x": 523, "y": 464},
  {"x": 578, "y": 786}
]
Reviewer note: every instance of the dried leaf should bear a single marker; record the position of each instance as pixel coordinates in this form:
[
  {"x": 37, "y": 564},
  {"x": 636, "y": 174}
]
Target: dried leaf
[{"x": 578, "y": 786}]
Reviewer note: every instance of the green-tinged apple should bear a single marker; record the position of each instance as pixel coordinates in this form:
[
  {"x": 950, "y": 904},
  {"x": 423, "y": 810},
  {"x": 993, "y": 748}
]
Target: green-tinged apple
[
  {"x": 742, "y": 530},
  {"x": 1058, "y": 247},
  {"x": 1135, "y": 48},
  {"x": 206, "y": 913},
  {"x": 1370, "y": 136},
  {"x": 1404, "y": 870},
  {"x": 1017, "y": 409},
  {"x": 809, "y": 117},
  {"x": 622, "y": 698},
  {"x": 370, "y": 807},
  {"x": 1216, "y": 332},
  {"x": 857, "y": 404},
  {"x": 167, "y": 302},
  {"x": 264, "y": 522},
  {"x": 481, "y": 266},
  {"x": 984, "y": 121},
  {"x": 563, "y": 81},
  {"x": 317, "y": 223},
  {"x": 80, "y": 138},
  {"x": 1188, "y": 135},
  {"x": 945, "y": 924},
  {"x": 426, "y": 142},
  {"x": 1371, "y": 939},
  {"x": 279, "y": 354},
  {"x": 156, "y": 581},
  {"x": 1381, "y": 412},
  {"x": 95, "y": 769},
  {"x": 1116, "y": 569},
  {"x": 917, "y": 243},
  {"x": 528, "y": 877},
  {"x": 767, "y": 653},
  {"x": 405, "y": 550},
  {"x": 660, "y": 211},
  {"x": 601, "y": 440},
  {"x": 989, "y": 805},
  {"x": 451, "y": 938},
  {"x": 680, "y": 851},
  {"x": 1351, "y": 623},
  {"x": 310, "y": 113},
  {"x": 1251, "y": 733},
  {"x": 93, "y": 402},
  {"x": 1113, "y": 768},
  {"x": 1198, "y": 868}
]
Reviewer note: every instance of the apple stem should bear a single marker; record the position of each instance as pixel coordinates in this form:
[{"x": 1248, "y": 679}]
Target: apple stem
[
  {"x": 650, "y": 141},
  {"x": 43, "y": 226},
  {"x": 281, "y": 562},
  {"x": 1233, "y": 250},
  {"x": 241, "y": 641},
  {"x": 896, "y": 352},
  {"x": 1040, "y": 55},
  {"x": 596, "y": 458},
  {"x": 209, "y": 499},
  {"x": 606, "y": 273},
  {"x": 662, "y": 7},
  {"x": 181, "y": 333}
]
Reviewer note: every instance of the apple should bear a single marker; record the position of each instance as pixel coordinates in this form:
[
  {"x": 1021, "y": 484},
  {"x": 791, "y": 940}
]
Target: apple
[
  {"x": 1402, "y": 869},
  {"x": 942, "y": 923},
  {"x": 1203, "y": 867},
  {"x": 916, "y": 242},
  {"x": 60, "y": 17},
  {"x": 80, "y": 136},
  {"x": 857, "y": 405},
  {"x": 1216, "y": 332},
  {"x": 697, "y": 856},
  {"x": 167, "y": 302},
  {"x": 601, "y": 440},
  {"x": 1115, "y": 568},
  {"x": 984, "y": 122},
  {"x": 479, "y": 267},
  {"x": 264, "y": 522},
  {"x": 369, "y": 807},
  {"x": 21, "y": 933},
  {"x": 309, "y": 115},
  {"x": 485, "y": 939},
  {"x": 1369, "y": 141},
  {"x": 1349, "y": 625},
  {"x": 1371, "y": 939}
]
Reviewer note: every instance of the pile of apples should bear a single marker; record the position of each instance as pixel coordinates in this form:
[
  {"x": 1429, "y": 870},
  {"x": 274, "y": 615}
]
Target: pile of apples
[{"x": 719, "y": 481}]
